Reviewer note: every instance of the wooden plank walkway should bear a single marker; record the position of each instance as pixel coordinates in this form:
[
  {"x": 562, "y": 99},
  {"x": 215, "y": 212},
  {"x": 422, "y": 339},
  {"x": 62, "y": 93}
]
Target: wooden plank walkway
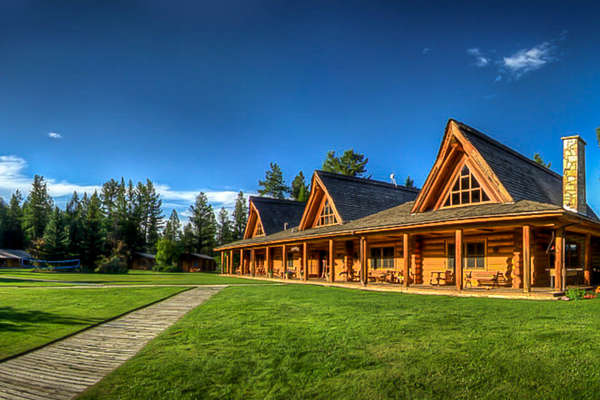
[{"x": 66, "y": 368}]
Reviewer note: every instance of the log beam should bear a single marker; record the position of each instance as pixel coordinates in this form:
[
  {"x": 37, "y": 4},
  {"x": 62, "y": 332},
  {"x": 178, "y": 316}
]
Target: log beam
[
  {"x": 559, "y": 260},
  {"x": 587, "y": 260},
  {"x": 331, "y": 262},
  {"x": 458, "y": 258},
  {"x": 406, "y": 258},
  {"x": 526, "y": 258}
]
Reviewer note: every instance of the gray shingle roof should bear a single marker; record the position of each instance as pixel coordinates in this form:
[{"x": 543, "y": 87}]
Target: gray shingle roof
[
  {"x": 14, "y": 254},
  {"x": 355, "y": 198},
  {"x": 274, "y": 213}
]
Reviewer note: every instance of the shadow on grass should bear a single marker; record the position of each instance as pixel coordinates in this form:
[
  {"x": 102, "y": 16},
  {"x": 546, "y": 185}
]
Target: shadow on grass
[{"x": 13, "y": 320}]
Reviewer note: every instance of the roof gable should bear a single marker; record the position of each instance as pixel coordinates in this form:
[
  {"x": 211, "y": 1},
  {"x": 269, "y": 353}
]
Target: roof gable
[
  {"x": 272, "y": 215},
  {"x": 455, "y": 152},
  {"x": 353, "y": 198}
]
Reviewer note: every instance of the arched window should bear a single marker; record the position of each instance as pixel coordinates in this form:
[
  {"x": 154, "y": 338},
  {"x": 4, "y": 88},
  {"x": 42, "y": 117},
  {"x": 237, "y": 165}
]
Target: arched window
[{"x": 465, "y": 190}]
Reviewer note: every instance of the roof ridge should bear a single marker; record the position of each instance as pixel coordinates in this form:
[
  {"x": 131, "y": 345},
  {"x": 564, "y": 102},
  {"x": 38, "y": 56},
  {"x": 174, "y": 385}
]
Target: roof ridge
[
  {"x": 508, "y": 149},
  {"x": 272, "y": 200},
  {"x": 369, "y": 181}
]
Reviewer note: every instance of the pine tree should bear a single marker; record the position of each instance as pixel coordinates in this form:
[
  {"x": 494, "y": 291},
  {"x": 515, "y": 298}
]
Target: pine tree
[
  {"x": 240, "y": 216},
  {"x": 150, "y": 214},
  {"x": 274, "y": 184},
  {"x": 109, "y": 196},
  {"x": 56, "y": 237},
  {"x": 299, "y": 188},
  {"x": 188, "y": 239},
  {"x": 538, "y": 159},
  {"x": 74, "y": 222},
  {"x": 14, "y": 237},
  {"x": 204, "y": 223},
  {"x": 409, "y": 182},
  {"x": 224, "y": 227},
  {"x": 37, "y": 209},
  {"x": 350, "y": 163},
  {"x": 173, "y": 227},
  {"x": 3, "y": 222},
  {"x": 93, "y": 238}
]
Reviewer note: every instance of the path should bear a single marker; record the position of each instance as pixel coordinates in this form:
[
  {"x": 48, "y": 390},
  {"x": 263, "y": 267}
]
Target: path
[{"x": 66, "y": 368}]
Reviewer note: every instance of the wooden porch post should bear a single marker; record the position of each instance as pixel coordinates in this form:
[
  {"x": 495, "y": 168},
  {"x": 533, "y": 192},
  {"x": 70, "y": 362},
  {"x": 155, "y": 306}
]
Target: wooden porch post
[
  {"x": 406, "y": 258},
  {"x": 284, "y": 261},
  {"x": 305, "y": 261},
  {"x": 365, "y": 263},
  {"x": 587, "y": 266},
  {"x": 222, "y": 262},
  {"x": 331, "y": 262},
  {"x": 559, "y": 259},
  {"x": 526, "y": 258},
  {"x": 253, "y": 262},
  {"x": 268, "y": 260},
  {"x": 241, "y": 261},
  {"x": 230, "y": 265},
  {"x": 458, "y": 259}
]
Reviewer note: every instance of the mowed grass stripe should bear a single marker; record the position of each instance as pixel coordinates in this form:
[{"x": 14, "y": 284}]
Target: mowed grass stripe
[{"x": 298, "y": 342}]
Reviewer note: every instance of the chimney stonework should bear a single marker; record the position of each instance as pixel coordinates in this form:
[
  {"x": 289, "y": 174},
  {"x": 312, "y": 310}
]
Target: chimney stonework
[{"x": 574, "y": 198}]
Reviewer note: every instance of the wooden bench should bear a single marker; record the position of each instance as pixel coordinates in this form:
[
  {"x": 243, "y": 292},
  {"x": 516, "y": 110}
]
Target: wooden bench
[{"x": 484, "y": 278}]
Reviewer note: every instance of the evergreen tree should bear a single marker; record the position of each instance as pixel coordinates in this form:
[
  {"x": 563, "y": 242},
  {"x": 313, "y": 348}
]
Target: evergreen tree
[
  {"x": 93, "y": 235},
  {"x": 274, "y": 184},
  {"x": 299, "y": 188},
  {"x": 37, "y": 209},
  {"x": 109, "y": 196},
  {"x": 409, "y": 182},
  {"x": 14, "y": 237},
  {"x": 3, "y": 222},
  {"x": 204, "y": 223},
  {"x": 240, "y": 216},
  {"x": 150, "y": 214},
  {"x": 188, "y": 239},
  {"x": 74, "y": 222},
  {"x": 224, "y": 227},
  {"x": 538, "y": 159},
  {"x": 56, "y": 237},
  {"x": 350, "y": 163},
  {"x": 173, "y": 227}
]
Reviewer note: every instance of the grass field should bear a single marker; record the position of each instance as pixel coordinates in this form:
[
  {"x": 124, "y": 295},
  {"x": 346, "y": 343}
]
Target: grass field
[
  {"x": 131, "y": 278},
  {"x": 299, "y": 342},
  {"x": 31, "y": 317}
]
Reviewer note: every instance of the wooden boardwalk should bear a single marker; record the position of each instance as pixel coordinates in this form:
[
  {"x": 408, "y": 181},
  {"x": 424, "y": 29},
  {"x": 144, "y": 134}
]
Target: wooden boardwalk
[{"x": 66, "y": 368}]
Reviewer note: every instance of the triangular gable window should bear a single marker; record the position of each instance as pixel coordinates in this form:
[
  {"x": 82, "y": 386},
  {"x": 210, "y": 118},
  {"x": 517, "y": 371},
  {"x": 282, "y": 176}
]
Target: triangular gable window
[
  {"x": 327, "y": 216},
  {"x": 259, "y": 230},
  {"x": 465, "y": 190}
]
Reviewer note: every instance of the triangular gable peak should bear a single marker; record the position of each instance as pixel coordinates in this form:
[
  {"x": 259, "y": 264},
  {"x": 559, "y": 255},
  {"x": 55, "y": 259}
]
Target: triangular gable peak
[
  {"x": 254, "y": 226},
  {"x": 320, "y": 209},
  {"x": 460, "y": 176}
]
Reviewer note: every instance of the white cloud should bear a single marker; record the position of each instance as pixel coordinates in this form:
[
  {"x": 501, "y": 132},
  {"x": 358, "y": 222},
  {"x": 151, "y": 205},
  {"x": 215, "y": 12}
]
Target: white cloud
[
  {"x": 480, "y": 59},
  {"x": 54, "y": 135},
  {"x": 527, "y": 60},
  {"x": 426, "y": 50}
]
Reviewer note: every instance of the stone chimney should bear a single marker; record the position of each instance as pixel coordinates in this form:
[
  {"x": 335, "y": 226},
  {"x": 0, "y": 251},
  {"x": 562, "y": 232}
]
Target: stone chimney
[{"x": 574, "y": 174}]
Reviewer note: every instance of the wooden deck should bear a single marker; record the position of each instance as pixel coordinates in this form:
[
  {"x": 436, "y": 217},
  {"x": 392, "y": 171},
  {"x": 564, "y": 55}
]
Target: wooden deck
[{"x": 66, "y": 368}]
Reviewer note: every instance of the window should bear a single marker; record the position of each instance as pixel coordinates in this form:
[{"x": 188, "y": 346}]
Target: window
[
  {"x": 290, "y": 260},
  {"x": 327, "y": 216},
  {"x": 451, "y": 256},
  {"x": 475, "y": 255},
  {"x": 382, "y": 257},
  {"x": 572, "y": 255},
  {"x": 466, "y": 190},
  {"x": 259, "y": 230}
]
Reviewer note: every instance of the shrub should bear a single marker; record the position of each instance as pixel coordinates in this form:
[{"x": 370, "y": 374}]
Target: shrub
[
  {"x": 112, "y": 265},
  {"x": 166, "y": 268},
  {"x": 575, "y": 294}
]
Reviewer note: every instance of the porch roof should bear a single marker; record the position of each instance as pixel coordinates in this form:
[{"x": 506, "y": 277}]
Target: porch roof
[{"x": 401, "y": 217}]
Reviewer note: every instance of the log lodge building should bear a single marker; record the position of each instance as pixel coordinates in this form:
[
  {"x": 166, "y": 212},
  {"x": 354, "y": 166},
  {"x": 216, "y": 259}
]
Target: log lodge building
[{"x": 486, "y": 216}]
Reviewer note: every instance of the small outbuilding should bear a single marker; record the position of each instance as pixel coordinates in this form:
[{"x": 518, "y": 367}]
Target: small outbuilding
[
  {"x": 143, "y": 261},
  {"x": 12, "y": 258},
  {"x": 195, "y": 262}
]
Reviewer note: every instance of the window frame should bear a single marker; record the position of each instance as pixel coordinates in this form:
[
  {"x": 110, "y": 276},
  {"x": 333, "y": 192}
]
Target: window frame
[
  {"x": 460, "y": 193},
  {"x": 325, "y": 219},
  {"x": 483, "y": 242},
  {"x": 379, "y": 260}
]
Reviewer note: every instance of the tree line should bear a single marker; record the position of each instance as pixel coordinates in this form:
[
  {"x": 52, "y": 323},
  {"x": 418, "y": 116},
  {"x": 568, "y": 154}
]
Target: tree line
[
  {"x": 110, "y": 225},
  {"x": 349, "y": 163}
]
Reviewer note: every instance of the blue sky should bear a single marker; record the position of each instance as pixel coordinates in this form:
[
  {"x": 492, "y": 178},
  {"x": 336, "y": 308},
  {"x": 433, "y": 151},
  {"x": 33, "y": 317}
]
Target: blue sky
[{"x": 203, "y": 95}]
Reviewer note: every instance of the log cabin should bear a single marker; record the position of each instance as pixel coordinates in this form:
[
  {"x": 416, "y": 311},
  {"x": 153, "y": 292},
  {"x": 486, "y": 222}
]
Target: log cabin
[{"x": 485, "y": 216}]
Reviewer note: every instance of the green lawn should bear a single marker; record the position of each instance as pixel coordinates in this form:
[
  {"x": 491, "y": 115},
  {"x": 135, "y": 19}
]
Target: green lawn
[
  {"x": 4, "y": 281},
  {"x": 131, "y": 278},
  {"x": 31, "y": 317},
  {"x": 299, "y": 342}
]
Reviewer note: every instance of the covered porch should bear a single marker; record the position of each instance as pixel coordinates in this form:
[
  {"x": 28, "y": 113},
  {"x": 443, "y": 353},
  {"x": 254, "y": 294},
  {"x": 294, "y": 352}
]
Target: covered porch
[{"x": 502, "y": 257}]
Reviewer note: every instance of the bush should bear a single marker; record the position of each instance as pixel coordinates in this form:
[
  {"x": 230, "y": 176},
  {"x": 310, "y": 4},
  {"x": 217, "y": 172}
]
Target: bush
[
  {"x": 112, "y": 265},
  {"x": 575, "y": 294},
  {"x": 166, "y": 268}
]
